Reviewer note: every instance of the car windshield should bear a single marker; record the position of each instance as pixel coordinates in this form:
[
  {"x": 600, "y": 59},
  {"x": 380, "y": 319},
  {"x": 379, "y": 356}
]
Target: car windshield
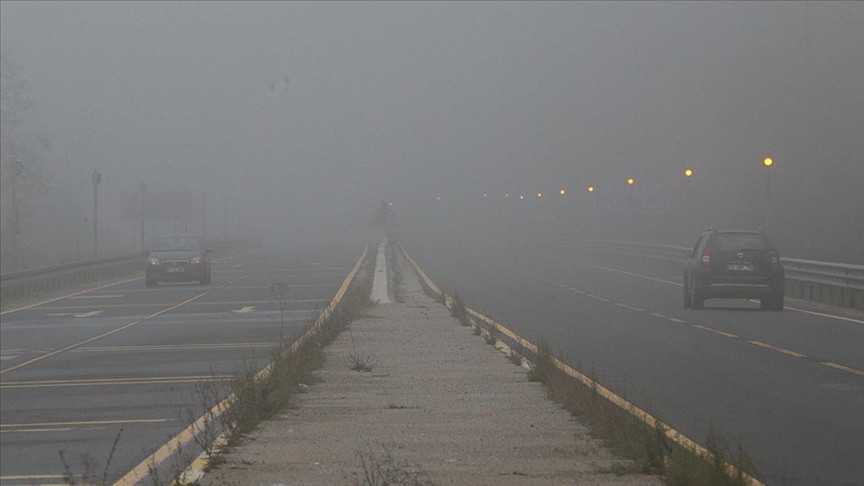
[
  {"x": 176, "y": 244},
  {"x": 740, "y": 241}
]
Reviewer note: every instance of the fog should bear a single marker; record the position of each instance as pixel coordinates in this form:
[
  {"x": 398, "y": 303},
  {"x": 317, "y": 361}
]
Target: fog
[{"x": 298, "y": 119}]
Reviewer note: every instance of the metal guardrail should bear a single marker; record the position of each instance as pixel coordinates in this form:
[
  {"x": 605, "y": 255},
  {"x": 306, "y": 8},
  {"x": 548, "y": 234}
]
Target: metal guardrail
[
  {"x": 47, "y": 279},
  {"x": 840, "y": 284}
]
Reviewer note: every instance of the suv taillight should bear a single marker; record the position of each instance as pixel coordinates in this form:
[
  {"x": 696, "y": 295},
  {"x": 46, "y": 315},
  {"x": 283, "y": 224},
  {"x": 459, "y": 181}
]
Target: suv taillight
[
  {"x": 706, "y": 256},
  {"x": 773, "y": 257}
]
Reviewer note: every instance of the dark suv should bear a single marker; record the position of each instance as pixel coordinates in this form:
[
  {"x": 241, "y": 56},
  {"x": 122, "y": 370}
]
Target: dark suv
[
  {"x": 177, "y": 258},
  {"x": 734, "y": 264}
]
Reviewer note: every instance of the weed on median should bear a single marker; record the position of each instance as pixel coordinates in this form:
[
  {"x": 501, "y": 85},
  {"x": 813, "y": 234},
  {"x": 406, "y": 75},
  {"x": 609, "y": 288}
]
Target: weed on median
[
  {"x": 256, "y": 395},
  {"x": 647, "y": 449},
  {"x": 89, "y": 467},
  {"x": 380, "y": 468}
]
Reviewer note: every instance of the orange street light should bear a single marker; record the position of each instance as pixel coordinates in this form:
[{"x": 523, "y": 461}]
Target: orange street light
[
  {"x": 590, "y": 188},
  {"x": 562, "y": 192},
  {"x": 539, "y": 194},
  {"x": 768, "y": 161},
  {"x": 688, "y": 173},
  {"x": 630, "y": 181},
  {"x": 521, "y": 198}
]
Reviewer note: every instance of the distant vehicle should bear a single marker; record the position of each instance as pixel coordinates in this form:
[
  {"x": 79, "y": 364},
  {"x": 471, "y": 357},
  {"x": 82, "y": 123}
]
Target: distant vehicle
[
  {"x": 734, "y": 264},
  {"x": 177, "y": 258}
]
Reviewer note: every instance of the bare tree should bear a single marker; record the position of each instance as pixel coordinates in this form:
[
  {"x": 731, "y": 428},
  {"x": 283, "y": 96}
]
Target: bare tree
[{"x": 23, "y": 174}]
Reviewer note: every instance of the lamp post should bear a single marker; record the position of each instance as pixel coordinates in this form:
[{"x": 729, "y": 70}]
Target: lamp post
[
  {"x": 688, "y": 174},
  {"x": 768, "y": 163},
  {"x": 142, "y": 191},
  {"x": 96, "y": 177}
]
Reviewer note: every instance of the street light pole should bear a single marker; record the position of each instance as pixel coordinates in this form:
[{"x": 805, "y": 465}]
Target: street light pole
[
  {"x": 96, "y": 177},
  {"x": 768, "y": 162},
  {"x": 688, "y": 173},
  {"x": 142, "y": 189}
]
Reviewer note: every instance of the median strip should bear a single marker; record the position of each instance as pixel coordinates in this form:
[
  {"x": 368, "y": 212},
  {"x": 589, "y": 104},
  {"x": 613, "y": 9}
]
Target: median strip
[{"x": 604, "y": 392}]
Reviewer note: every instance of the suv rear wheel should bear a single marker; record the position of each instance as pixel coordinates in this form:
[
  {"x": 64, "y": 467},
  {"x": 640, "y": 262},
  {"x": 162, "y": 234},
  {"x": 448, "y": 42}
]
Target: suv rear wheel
[
  {"x": 772, "y": 302},
  {"x": 697, "y": 299},
  {"x": 685, "y": 294}
]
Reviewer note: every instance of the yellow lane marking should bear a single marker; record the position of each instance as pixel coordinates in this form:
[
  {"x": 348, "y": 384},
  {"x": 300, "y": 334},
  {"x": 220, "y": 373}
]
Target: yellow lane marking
[
  {"x": 775, "y": 348},
  {"x": 679, "y": 321},
  {"x": 240, "y": 287},
  {"x": 293, "y": 286},
  {"x": 636, "y": 309},
  {"x": 113, "y": 381},
  {"x": 186, "y": 435},
  {"x": 105, "y": 287},
  {"x": 715, "y": 331},
  {"x": 209, "y": 302},
  {"x": 6, "y": 327},
  {"x": 655, "y": 314},
  {"x": 307, "y": 269},
  {"x": 282, "y": 275},
  {"x": 171, "y": 347},
  {"x": 629, "y": 407},
  {"x": 597, "y": 297},
  {"x": 843, "y": 368},
  {"x": 93, "y": 422},
  {"x": 420, "y": 271},
  {"x": 35, "y": 476},
  {"x": 114, "y": 331},
  {"x": 67, "y": 296}
]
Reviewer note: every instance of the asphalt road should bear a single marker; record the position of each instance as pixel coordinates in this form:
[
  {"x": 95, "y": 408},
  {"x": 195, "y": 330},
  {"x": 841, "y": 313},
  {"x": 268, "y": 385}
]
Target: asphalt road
[
  {"x": 75, "y": 371},
  {"x": 787, "y": 386}
]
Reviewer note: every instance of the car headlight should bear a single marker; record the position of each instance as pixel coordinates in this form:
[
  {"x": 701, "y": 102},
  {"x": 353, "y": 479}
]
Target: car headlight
[
  {"x": 153, "y": 261},
  {"x": 197, "y": 261}
]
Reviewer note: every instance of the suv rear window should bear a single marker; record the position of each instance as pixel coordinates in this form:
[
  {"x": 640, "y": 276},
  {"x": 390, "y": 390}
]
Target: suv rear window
[{"x": 740, "y": 241}]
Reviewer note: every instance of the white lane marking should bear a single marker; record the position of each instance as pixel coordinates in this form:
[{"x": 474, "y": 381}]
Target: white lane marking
[
  {"x": 97, "y": 297},
  {"x": 379, "y": 281},
  {"x": 245, "y": 309},
  {"x": 73, "y": 314},
  {"x": 829, "y": 316}
]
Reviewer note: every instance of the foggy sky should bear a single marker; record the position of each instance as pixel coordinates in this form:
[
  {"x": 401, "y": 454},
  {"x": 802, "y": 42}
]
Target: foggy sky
[{"x": 406, "y": 101}]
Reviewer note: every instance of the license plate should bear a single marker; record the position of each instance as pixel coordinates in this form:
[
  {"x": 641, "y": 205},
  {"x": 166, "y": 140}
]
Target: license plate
[
  {"x": 175, "y": 269},
  {"x": 739, "y": 267}
]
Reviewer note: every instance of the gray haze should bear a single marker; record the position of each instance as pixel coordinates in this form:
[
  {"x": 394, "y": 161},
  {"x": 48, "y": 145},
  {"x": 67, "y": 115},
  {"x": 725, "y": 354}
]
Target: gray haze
[{"x": 308, "y": 115}]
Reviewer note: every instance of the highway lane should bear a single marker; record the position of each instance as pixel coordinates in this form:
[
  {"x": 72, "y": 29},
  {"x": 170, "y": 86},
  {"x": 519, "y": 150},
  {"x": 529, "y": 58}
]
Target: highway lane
[
  {"x": 142, "y": 378},
  {"x": 799, "y": 419}
]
